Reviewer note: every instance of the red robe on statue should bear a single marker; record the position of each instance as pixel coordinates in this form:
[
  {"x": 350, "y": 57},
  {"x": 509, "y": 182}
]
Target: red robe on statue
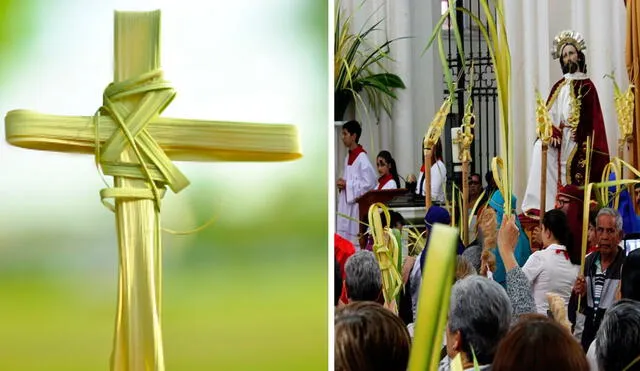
[
  {"x": 590, "y": 123},
  {"x": 575, "y": 111}
]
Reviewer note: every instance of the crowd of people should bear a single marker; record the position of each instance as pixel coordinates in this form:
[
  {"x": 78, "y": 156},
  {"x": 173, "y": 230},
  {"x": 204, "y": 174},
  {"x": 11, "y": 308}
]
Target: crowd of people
[{"x": 529, "y": 321}]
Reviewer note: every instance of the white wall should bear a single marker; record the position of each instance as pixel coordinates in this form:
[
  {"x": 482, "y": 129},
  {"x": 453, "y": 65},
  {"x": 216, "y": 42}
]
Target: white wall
[{"x": 426, "y": 81}]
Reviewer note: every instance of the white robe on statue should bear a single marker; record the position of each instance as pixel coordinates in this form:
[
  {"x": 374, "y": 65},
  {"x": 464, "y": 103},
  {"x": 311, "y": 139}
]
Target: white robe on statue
[
  {"x": 559, "y": 113},
  {"x": 360, "y": 178}
]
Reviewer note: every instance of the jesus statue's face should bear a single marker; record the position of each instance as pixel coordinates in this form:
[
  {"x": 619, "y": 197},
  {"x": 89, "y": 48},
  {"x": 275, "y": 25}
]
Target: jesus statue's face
[{"x": 570, "y": 59}]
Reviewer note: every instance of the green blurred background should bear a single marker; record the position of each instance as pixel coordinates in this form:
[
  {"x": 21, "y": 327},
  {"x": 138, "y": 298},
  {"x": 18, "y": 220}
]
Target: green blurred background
[{"x": 248, "y": 293}]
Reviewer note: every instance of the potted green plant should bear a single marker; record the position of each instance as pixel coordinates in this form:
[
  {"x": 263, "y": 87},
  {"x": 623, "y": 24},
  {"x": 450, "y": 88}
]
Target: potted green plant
[{"x": 359, "y": 68}]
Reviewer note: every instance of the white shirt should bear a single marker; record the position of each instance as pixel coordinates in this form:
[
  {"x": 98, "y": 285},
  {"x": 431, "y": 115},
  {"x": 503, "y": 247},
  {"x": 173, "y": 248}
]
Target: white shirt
[
  {"x": 438, "y": 179},
  {"x": 550, "y": 271}
]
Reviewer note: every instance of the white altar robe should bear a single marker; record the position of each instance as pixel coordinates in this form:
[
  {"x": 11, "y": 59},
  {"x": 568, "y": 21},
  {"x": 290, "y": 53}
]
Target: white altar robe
[
  {"x": 391, "y": 184},
  {"x": 360, "y": 178}
]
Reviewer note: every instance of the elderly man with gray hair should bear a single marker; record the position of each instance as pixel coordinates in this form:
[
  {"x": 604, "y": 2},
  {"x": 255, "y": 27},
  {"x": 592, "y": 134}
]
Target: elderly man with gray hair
[
  {"x": 479, "y": 316},
  {"x": 363, "y": 280},
  {"x": 618, "y": 339},
  {"x": 601, "y": 276}
]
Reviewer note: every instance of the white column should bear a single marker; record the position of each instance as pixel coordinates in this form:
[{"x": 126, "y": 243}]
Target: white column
[
  {"x": 560, "y": 18},
  {"x": 618, "y": 42},
  {"x": 386, "y": 128},
  {"x": 618, "y": 45},
  {"x": 366, "y": 14},
  {"x": 619, "y": 30},
  {"x": 543, "y": 48},
  {"x": 426, "y": 83},
  {"x": 520, "y": 82},
  {"x": 530, "y": 19},
  {"x": 580, "y": 18},
  {"x": 601, "y": 63},
  {"x": 399, "y": 17},
  {"x": 371, "y": 12},
  {"x": 602, "y": 24}
]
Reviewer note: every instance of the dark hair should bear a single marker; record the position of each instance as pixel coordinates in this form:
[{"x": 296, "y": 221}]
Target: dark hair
[
  {"x": 337, "y": 285},
  {"x": 396, "y": 218},
  {"x": 538, "y": 343},
  {"x": 556, "y": 222},
  {"x": 491, "y": 184},
  {"x": 370, "y": 337},
  {"x": 386, "y": 155},
  {"x": 630, "y": 276},
  {"x": 618, "y": 338},
  {"x": 353, "y": 127},
  {"x": 437, "y": 150},
  {"x": 477, "y": 175},
  {"x": 582, "y": 62},
  {"x": 488, "y": 177}
]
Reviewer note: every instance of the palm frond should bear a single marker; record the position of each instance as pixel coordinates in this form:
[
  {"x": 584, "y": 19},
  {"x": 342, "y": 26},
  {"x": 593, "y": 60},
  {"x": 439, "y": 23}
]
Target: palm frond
[{"x": 359, "y": 65}]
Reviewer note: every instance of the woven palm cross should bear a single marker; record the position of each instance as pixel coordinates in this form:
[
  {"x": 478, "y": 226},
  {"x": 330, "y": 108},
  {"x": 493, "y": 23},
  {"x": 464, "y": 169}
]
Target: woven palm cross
[{"x": 135, "y": 145}]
